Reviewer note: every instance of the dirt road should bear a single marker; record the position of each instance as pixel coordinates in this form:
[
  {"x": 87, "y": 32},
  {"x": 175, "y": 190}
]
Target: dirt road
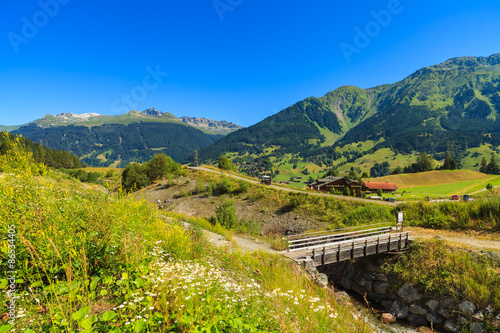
[{"x": 298, "y": 191}]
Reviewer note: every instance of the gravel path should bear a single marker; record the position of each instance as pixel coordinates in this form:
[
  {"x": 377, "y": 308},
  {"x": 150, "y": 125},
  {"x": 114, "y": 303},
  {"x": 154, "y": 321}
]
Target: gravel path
[{"x": 244, "y": 244}]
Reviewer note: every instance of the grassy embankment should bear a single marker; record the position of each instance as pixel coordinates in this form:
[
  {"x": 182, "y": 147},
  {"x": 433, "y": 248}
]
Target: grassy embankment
[
  {"x": 87, "y": 260},
  {"x": 441, "y": 269}
]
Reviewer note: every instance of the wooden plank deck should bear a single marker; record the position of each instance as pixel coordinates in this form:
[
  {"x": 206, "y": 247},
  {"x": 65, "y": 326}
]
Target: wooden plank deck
[{"x": 333, "y": 248}]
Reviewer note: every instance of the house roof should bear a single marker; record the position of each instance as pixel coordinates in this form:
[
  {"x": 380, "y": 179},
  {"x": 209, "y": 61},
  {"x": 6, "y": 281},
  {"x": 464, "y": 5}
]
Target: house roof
[{"x": 381, "y": 186}]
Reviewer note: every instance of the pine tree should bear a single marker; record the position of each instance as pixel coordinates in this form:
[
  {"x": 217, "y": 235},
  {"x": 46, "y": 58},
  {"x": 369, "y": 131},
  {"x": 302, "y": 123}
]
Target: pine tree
[
  {"x": 449, "y": 162},
  {"x": 483, "y": 166},
  {"x": 493, "y": 167}
]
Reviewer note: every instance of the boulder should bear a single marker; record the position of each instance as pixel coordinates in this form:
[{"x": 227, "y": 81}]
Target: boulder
[
  {"x": 448, "y": 303},
  {"x": 477, "y": 327},
  {"x": 432, "y": 318},
  {"x": 495, "y": 323},
  {"x": 478, "y": 316},
  {"x": 380, "y": 287},
  {"x": 377, "y": 298},
  {"x": 432, "y": 305},
  {"x": 445, "y": 313},
  {"x": 358, "y": 289},
  {"x": 409, "y": 293},
  {"x": 388, "y": 318},
  {"x": 467, "y": 308},
  {"x": 489, "y": 310},
  {"x": 416, "y": 320},
  {"x": 381, "y": 278},
  {"x": 451, "y": 326},
  {"x": 369, "y": 285},
  {"x": 322, "y": 280},
  {"x": 346, "y": 283},
  {"x": 369, "y": 276},
  {"x": 342, "y": 297},
  {"x": 417, "y": 309},
  {"x": 423, "y": 329},
  {"x": 399, "y": 309}
]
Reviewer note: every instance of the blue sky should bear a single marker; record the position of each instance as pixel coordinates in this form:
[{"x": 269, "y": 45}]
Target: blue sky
[{"x": 235, "y": 60}]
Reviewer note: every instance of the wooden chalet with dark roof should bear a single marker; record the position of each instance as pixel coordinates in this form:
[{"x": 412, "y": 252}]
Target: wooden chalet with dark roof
[{"x": 339, "y": 184}]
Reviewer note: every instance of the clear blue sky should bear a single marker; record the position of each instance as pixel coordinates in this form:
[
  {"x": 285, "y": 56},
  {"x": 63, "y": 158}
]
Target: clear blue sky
[{"x": 241, "y": 62}]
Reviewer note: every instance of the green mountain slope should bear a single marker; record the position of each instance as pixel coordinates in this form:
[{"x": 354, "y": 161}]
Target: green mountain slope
[{"x": 454, "y": 104}]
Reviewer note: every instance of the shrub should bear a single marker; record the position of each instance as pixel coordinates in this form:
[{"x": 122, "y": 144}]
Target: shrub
[{"x": 225, "y": 214}]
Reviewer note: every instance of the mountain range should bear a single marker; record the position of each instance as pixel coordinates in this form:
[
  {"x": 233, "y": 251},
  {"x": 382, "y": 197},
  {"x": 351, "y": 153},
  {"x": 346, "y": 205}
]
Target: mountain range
[
  {"x": 450, "y": 106},
  {"x": 102, "y": 140}
]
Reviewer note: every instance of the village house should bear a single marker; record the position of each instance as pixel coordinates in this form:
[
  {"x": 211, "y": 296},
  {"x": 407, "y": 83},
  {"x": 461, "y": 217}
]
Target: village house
[
  {"x": 339, "y": 184},
  {"x": 385, "y": 187}
]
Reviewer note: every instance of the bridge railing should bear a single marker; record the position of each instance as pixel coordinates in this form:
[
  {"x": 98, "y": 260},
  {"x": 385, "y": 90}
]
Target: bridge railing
[{"x": 317, "y": 239}]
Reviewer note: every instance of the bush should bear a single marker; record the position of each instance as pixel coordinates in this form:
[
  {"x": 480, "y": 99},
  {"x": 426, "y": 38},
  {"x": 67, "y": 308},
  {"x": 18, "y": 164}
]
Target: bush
[
  {"x": 225, "y": 214},
  {"x": 243, "y": 186},
  {"x": 225, "y": 185}
]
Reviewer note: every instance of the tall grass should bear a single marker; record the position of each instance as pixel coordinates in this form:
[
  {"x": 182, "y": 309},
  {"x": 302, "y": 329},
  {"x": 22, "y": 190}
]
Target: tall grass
[
  {"x": 94, "y": 262},
  {"x": 476, "y": 215}
]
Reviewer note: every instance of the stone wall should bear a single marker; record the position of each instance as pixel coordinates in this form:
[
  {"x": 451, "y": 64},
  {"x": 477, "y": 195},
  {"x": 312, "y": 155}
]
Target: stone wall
[{"x": 405, "y": 302}]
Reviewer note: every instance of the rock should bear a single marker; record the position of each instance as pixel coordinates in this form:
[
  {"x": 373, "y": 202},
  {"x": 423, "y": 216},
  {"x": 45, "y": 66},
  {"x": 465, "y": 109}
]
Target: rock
[
  {"x": 432, "y": 318},
  {"x": 497, "y": 317},
  {"x": 388, "y": 318},
  {"x": 478, "y": 316},
  {"x": 451, "y": 326},
  {"x": 346, "y": 283},
  {"x": 495, "y": 323},
  {"x": 432, "y": 305},
  {"x": 409, "y": 294},
  {"x": 381, "y": 278},
  {"x": 386, "y": 304},
  {"x": 467, "y": 308},
  {"x": 417, "y": 320},
  {"x": 416, "y": 309},
  {"x": 369, "y": 276},
  {"x": 462, "y": 320},
  {"x": 369, "y": 285},
  {"x": 423, "y": 329},
  {"x": 322, "y": 280},
  {"x": 445, "y": 313},
  {"x": 399, "y": 309},
  {"x": 448, "y": 303},
  {"x": 477, "y": 327},
  {"x": 380, "y": 287},
  {"x": 489, "y": 310},
  {"x": 358, "y": 289},
  {"x": 377, "y": 298},
  {"x": 342, "y": 297}
]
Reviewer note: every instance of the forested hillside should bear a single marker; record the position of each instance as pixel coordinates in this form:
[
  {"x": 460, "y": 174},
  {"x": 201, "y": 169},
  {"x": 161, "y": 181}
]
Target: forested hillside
[
  {"x": 50, "y": 157},
  {"x": 118, "y": 145}
]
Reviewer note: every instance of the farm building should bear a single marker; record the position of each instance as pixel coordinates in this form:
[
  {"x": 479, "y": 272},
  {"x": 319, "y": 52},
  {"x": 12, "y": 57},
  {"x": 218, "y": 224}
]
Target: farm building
[
  {"x": 385, "y": 187},
  {"x": 339, "y": 184}
]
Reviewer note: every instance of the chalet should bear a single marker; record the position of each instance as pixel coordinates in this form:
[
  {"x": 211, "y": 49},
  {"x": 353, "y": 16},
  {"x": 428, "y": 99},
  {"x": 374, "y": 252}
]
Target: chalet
[
  {"x": 385, "y": 187},
  {"x": 339, "y": 184}
]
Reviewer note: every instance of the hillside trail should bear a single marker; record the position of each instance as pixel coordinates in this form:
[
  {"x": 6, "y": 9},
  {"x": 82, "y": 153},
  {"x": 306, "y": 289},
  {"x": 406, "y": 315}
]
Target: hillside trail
[
  {"x": 469, "y": 240},
  {"x": 287, "y": 189}
]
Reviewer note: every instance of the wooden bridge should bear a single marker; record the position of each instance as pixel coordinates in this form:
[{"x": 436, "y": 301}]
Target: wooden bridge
[{"x": 327, "y": 247}]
